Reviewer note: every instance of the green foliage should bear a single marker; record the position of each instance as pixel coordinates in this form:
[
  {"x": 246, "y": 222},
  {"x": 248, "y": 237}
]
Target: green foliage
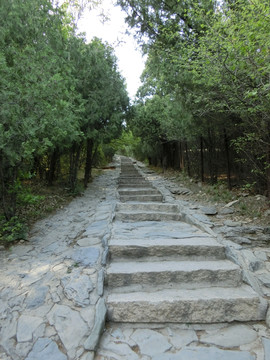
[
  {"x": 12, "y": 230},
  {"x": 207, "y": 75},
  {"x": 56, "y": 93}
]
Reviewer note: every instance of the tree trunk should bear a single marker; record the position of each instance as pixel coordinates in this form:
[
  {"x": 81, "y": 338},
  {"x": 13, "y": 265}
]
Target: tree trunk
[
  {"x": 88, "y": 162},
  {"x": 227, "y": 152},
  {"x": 202, "y": 159},
  {"x": 53, "y": 162},
  {"x": 74, "y": 163},
  {"x": 187, "y": 157},
  {"x": 8, "y": 192}
]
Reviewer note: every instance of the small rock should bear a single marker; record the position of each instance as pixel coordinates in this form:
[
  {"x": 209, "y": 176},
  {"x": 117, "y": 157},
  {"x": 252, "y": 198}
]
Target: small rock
[
  {"x": 211, "y": 210},
  {"x": 232, "y": 223},
  {"x": 226, "y": 211},
  {"x": 231, "y": 203}
]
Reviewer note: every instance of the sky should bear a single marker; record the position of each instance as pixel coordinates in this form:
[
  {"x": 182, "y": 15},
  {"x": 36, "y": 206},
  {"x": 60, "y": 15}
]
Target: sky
[{"x": 130, "y": 60}]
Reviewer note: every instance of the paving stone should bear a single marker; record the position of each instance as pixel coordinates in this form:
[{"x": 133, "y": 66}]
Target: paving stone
[
  {"x": 120, "y": 349},
  {"x": 36, "y": 297},
  {"x": 88, "y": 314},
  {"x": 26, "y": 327},
  {"x": 89, "y": 355},
  {"x": 77, "y": 287},
  {"x": 150, "y": 342},
  {"x": 266, "y": 345},
  {"x": 85, "y": 242},
  {"x": 200, "y": 353},
  {"x": 91, "y": 342},
  {"x": 180, "y": 338},
  {"x": 100, "y": 282},
  {"x": 69, "y": 325},
  {"x": 232, "y": 336},
  {"x": 265, "y": 279},
  {"x": 86, "y": 256},
  {"x": 46, "y": 349}
]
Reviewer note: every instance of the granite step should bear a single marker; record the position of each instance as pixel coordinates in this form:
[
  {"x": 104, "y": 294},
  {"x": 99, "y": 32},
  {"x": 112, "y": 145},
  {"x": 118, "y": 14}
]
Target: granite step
[
  {"x": 152, "y": 207},
  {"x": 186, "y": 274},
  {"x": 146, "y": 215},
  {"x": 141, "y": 198},
  {"x": 203, "y": 305},
  {"x": 136, "y": 192},
  {"x": 199, "y": 248}
]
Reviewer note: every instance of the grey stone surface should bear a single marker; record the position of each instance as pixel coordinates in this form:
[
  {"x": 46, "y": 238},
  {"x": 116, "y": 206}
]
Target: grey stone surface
[
  {"x": 26, "y": 327},
  {"x": 209, "y": 210},
  {"x": 86, "y": 256},
  {"x": 46, "y": 349},
  {"x": 150, "y": 342},
  {"x": 266, "y": 346},
  {"x": 180, "y": 338},
  {"x": 265, "y": 279},
  {"x": 77, "y": 287},
  {"x": 69, "y": 325},
  {"x": 232, "y": 336},
  {"x": 200, "y": 353},
  {"x": 36, "y": 296},
  {"x": 100, "y": 282},
  {"x": 91, "y": 342},
  {"x": 226, "y": 211}
]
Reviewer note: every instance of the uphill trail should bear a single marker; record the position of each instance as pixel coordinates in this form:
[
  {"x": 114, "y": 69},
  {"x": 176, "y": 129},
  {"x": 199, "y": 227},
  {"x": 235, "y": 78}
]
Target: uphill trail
[{"x": 128, "y": 252}]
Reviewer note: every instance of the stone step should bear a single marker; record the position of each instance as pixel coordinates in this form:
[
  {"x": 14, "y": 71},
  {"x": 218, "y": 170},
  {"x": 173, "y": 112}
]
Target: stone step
[
  {"x": 143, "y": 185},
  {"x": 199, "y": 248},
  {"x": 145, "y": 215},
  {"x": 136, "y": 192},
  {"x": 186, "y": 274},
  {"x": 152, "y": 207},
  {"x": 206, "y": 305},
  {"x": 141, "y": 198}
]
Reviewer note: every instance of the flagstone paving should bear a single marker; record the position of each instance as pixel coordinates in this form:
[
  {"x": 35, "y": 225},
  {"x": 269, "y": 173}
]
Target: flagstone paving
[{"x": 52, "y": 297}]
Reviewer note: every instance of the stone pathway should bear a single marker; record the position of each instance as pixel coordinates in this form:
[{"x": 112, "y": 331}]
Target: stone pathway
[
  {"x": 166, "y": 278},
  {"x": 51, "y": 287}
]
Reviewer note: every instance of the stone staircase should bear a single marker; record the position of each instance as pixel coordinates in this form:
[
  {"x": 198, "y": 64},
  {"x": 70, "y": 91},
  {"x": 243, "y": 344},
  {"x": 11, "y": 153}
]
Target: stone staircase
[{"x": 165, "y": 270}]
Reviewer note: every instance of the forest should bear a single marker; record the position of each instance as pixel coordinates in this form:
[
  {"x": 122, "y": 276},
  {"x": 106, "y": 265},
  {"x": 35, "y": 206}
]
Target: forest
[
  {"x": 202, "y": 109},
  {"x": 204, "y": 104},
  {"x": 60, "y": 99}
]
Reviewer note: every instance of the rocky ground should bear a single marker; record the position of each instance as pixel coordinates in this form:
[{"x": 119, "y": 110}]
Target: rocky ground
[{"x": 51, "y": 288}]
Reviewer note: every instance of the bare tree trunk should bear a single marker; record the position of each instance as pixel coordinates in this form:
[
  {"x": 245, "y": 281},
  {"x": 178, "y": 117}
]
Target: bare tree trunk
[
  {"x": 88, "y": 161},
  {"x": 227, "y": 152},
  {"x": 202, "y": 159}
]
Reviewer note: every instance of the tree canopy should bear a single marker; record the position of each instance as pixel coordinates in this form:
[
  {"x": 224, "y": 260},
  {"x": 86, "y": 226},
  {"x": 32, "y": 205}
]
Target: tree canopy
[
  {"x": 208, "y": 74},
  {"x": 60, "y": 97}
]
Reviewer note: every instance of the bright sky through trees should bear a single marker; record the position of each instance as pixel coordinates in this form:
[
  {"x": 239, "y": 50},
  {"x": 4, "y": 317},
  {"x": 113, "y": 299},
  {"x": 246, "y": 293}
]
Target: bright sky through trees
[{"x": 113, "y": 30}]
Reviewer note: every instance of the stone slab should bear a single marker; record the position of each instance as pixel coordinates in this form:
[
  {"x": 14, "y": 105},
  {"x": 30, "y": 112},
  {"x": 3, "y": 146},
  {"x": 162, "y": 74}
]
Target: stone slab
[
  {"x": 204, "y": 305},
  {"x": 200, "y": 353},
  {"x": 150, "y": 342},
  {"x": 232, "y": 336},
  {"x": 46, "y": 349},
  {"x": 189, "y": 273}
]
